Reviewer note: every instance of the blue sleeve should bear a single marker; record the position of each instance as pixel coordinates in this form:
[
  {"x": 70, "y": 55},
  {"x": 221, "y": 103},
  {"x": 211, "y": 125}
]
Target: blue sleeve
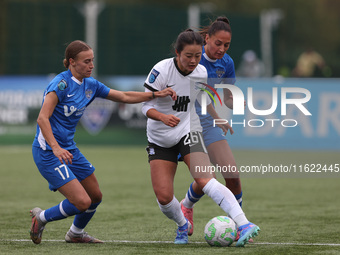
[
  {"x": 102, "y": 90},
  {"x": 59, "y": 86}
]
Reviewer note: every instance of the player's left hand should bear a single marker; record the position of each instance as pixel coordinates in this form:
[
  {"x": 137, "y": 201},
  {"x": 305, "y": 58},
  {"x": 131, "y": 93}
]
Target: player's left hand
[
  {"x": 225, "y": 128},
  {"x": 166, "y": 92}
]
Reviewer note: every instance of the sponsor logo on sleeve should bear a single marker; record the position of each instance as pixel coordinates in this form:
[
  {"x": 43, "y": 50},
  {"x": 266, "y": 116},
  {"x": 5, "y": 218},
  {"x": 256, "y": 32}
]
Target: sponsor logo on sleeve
[
  {"x": 153, "y": 75},
  {"x": 62, "y": 85}
]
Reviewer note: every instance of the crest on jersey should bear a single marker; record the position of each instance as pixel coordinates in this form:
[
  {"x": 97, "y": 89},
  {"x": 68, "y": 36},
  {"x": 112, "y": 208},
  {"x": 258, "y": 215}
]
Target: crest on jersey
[
  {"x": 88, "y": 93},
  {"x": 97, "y": 115},
  {"x": 153, "y": 75},
  {"x": 62, "y": 85},
  {"x": 150, "y": 150},
  {"x": 220, "y": 73}
]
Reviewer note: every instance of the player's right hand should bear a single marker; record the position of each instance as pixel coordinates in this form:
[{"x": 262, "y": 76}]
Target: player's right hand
[
  {"x": 63, "y": 155},
  {"x": 167, "y": 92},
  {"x": 170, "y": 120}
]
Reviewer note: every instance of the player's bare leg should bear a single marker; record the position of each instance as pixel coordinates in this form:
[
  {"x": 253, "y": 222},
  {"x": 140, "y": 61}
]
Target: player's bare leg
[
  {"x": 162, "y": 178},
  {"x": 221, "y": 195},
  {"x": 188, "y": 211},
  {"x": 72, "y": 190},
  {"x": 220, "y": 154},
  {"x": 76, "y": 233}
]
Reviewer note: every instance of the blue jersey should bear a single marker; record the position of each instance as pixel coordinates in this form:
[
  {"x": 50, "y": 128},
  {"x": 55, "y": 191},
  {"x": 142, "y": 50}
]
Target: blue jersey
[
  {"x": 219, "y": 71},
  {"x": 73, "y": 98}
]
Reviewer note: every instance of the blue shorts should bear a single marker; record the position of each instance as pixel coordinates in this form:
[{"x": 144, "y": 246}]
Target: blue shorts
[
  {"x": 58, "y": 174},
  {"x": 212, "y": 134}
]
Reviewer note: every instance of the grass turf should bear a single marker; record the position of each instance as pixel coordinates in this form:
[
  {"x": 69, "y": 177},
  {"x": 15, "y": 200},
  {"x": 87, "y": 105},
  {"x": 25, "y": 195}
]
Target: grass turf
[{"x": 290, "y": 211}]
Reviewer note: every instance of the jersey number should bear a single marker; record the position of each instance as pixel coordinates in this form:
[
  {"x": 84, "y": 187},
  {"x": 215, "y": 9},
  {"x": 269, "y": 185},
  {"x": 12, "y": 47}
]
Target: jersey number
[
  {"x": 193, "y": 138},
  {"x": 181, "y": 104},
  {"x": 61, "y": 174}
]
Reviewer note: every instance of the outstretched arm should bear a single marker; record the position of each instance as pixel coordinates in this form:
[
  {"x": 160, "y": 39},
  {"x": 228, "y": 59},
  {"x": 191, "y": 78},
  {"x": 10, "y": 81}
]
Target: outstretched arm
[{"x": 132, "y": 97}]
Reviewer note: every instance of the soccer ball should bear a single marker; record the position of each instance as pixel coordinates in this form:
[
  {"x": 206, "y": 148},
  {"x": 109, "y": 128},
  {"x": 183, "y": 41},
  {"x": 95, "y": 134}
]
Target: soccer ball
[{"x": 220, "y": 231}]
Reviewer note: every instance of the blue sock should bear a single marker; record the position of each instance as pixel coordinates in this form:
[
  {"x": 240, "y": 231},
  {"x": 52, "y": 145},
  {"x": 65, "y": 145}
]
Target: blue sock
[
  {"x": 191, "y": 197},
  {"x": 239, "y": 199},
  {"x": 61, "y": 211},
  {"x": 81, "y": 220}
]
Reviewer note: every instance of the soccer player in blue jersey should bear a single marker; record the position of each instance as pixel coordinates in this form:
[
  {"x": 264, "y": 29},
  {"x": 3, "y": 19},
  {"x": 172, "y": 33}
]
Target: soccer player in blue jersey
[
  {"x": 220, "y": 67},
  {"x": 54, "y": 151}
]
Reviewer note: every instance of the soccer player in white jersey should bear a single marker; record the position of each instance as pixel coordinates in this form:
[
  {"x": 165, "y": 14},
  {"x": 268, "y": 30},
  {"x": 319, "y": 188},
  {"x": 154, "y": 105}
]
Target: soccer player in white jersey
[
  {"x": 174, "y": 127},
  {"x": 220, "y": 67},
  {"x": 54, "y": 151}
]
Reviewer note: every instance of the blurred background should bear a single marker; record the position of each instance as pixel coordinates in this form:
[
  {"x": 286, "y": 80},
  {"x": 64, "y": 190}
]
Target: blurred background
[{"x": 274, "y": 44}]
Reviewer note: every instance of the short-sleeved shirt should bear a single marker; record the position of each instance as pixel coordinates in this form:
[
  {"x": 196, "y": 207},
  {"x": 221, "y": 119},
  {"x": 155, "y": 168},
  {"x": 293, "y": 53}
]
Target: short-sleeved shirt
[
  {"x": 188, "y": 87},
  {"x": 219, "y": 71},
  {"x": 73, "y": 98}
]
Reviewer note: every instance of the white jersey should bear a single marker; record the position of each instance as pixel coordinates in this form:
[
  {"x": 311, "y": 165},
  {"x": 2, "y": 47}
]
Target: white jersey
[{"x": 188, "y": 87}]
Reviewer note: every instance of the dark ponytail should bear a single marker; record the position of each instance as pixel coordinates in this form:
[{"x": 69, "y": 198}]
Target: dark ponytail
[
  {"x": 187, "y": 37},
  {"x": 221, "y": 23}
]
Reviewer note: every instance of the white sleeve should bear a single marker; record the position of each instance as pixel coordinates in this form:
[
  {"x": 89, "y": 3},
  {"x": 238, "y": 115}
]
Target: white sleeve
[
  {"x": 154, "y": 82},
  {"x": 146, "y": 106}
]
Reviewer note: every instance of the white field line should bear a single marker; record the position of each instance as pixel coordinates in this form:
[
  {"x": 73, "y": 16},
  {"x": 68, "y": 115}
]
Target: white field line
[{"x": 151, "y": 242}]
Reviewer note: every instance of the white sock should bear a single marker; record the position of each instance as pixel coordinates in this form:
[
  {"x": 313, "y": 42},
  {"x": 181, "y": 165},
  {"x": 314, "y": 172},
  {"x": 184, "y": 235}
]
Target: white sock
[
  {"x": 173, "y": 211},
  {"x": 76, "y": 230},
  {"x": 226, "y": 200},
  {"x": 240, "y": 220},
  {"x": 187, "y": 203},
  {"x": 42, "y": 217}
]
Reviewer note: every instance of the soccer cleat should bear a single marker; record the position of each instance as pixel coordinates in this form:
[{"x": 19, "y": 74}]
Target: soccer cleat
[
  {"x": 249, "y": 241},
  {"x": 182, "y": 233},
  {"x": 80, "y": 238},
  {"x": 37, "y": 226},
  {"x": 189, "y": 214},
  {"x": 245, "y": 232}
]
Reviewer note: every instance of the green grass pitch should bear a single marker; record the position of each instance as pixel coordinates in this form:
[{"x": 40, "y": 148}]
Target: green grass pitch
[{"x": 296, "y": 214}]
